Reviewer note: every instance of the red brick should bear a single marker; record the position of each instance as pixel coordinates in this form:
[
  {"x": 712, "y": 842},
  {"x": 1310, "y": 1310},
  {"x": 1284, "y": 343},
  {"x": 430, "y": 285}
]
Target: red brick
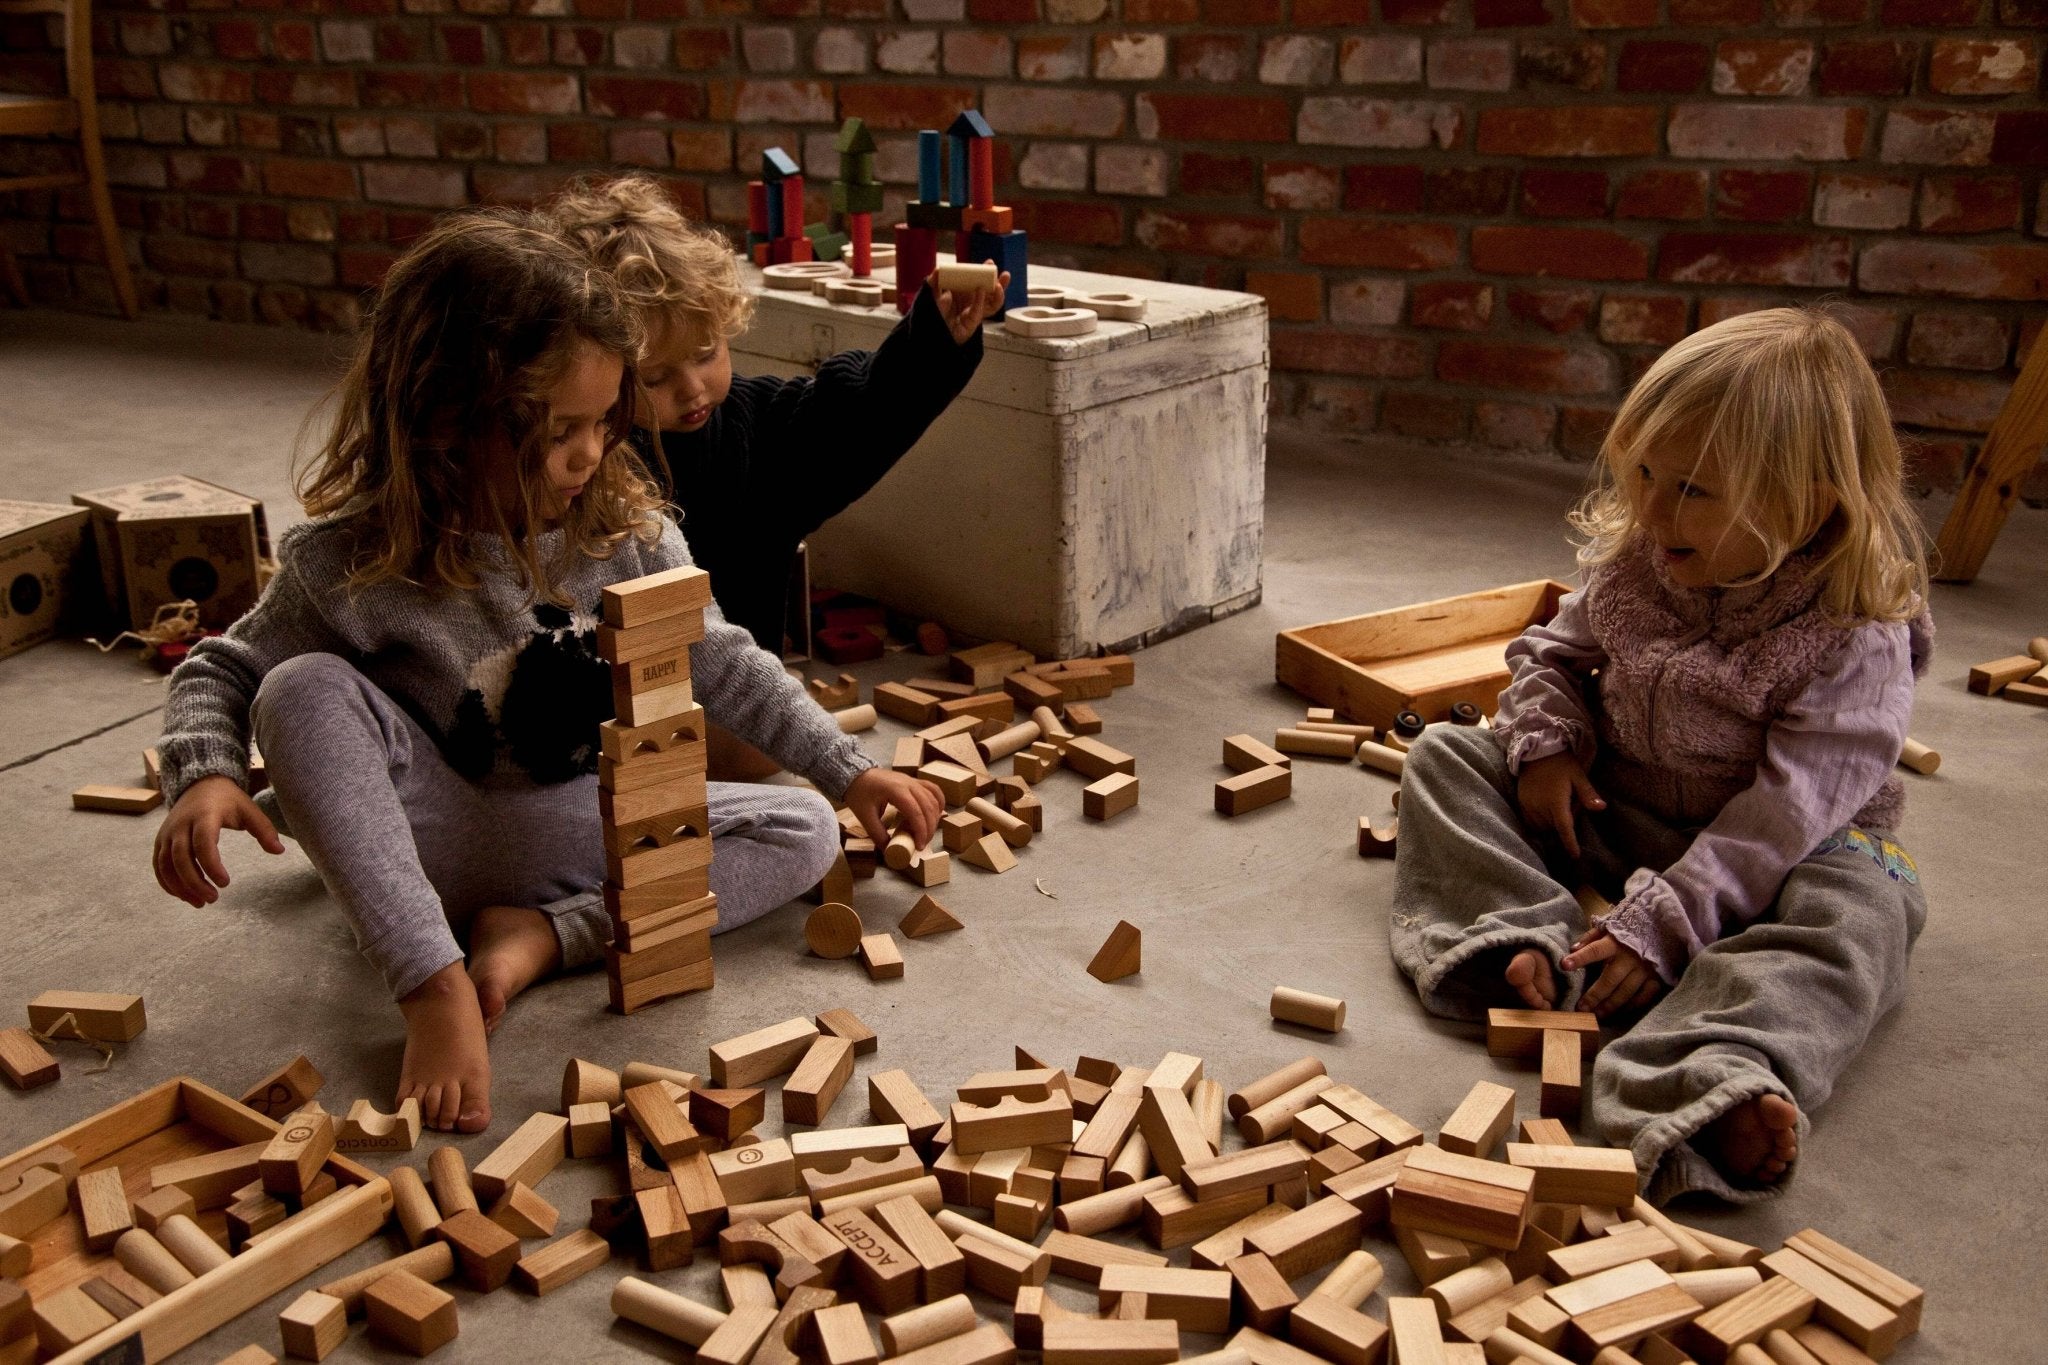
[
  {"x": 509, "y": 92},
  {"x": 906, "y": 107},
  {"x": 1216, "y": 58},
  {"x": 578, "y": 45},
  {"x": 1767, "y": 132},
  {"x": 1380, "y": 246},
  {"x": 1358, "y": 121},
  {"x": 294, "y": 42},
  {"x": 1301, "y": 185},
  {"x": 1467, "y": 191},
  {"x": 212, "y": 174},
  {"x": 1965, "y": 272},
  {"x": 1422, "y": 416},
  {"x": 1003, "y": 11},
  {"x": 1642, "y": 319},
  {"x": 525, "y": 44},
  {"x": 1931, "y": 13},
  {"x": 1332, "y": 13},
  {"x": 1052, "y": 112},
  {"x": 574, "y": 142},
  {"x": 1451, "y": 305},
  {"x": 647, "y": 97},
  {"x": 1209, "y": 176},
  {"x": 1056, "y": 57},
  {"x": 1513, "y": 426},
  {"x": 1471, "y": 64},
  {"x": 1161, "y": 11},
  {"x": 1717, "y": 13},
  {"x": 237, "y": 40},
  {"x": 1211, "y": 234},
  {"x": 1336, "y": 404},
  {"x": 745, "y": 101},
  {"x": 1813, "y": 13},
  {"x": 296, "y": 179},
  {"x": 191, "y": 83},
  {"x": 463, "y": 44},
  {"x": 2020, "y": 138},
  {"x": 1414, "y": 13},
  {"x": 1959, "y": 341},
  {"x": 1868, "y": 66},
  {"x": 1795, "y": 259},
  {"x": 1511, "y": 13},
  {"x": 1564, "y": 194},
  {"x": 1998, "y": 66},
  {"x": 520, "y": 186},
  {"x": 189, "y": 256},
  {"x": 1372, "y": 188},
  {"x": 1290, "y": 295},
  {"x": 1532, "y": 367},
  {"x": 1215, "y": 118},
  {"x": 1584, "y": 130},
  {"x": 1871, "y": 202},
  {"x": 702, "y": 49},
  {"x": 1762, "y": 196},
  {"x": 1951, "y": 402},
  {"x": 1071, "y": 221},
  {"x": 1614, "y": 13},
  {"x": 1581, "y": 431},
  {"x": 1241, "y": 13},
  {"x": 1368, "y": 302},
  {"x": 701, "y": 149},
  {"x": 302, "y": 89},
  {"x": 401, "y": 44},
  {"x": 1327, "y": 352},
  {"x": 426, "y": 185},
  {"x": 1662, "y": 66},
  {"x": 1935, "y": 464},
  {"x": 1568, "y": 253},
  {"x": 788, "y": 9},
  {"x": 1762, "y": 66},
  {"x": 1938, "y": 137},
  {"x": 638, "y": 145},
  {"x": 1950, "y": 203},
  {"x": 1566, "y": 65}
]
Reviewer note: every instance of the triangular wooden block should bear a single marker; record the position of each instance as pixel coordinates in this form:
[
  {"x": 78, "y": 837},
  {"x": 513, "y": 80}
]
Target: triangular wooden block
[
  {"x": 926, "y": 918},
  {"x": 989, "y": 853},
  {"x": 1118, "y": 957},
  {"x": 837, "y": 886},
  {"x": 960, "y": 749},
  {"x": 727, "y": 1113}
]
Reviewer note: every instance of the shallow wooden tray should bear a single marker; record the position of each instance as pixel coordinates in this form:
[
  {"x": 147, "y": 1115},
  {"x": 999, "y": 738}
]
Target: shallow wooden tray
[
  {"x": 1424, "y": 658},
  {"x": 177, "y": 1119}
]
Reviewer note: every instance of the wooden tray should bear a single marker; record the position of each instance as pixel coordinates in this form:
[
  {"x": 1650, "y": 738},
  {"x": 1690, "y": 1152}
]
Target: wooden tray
[
  {"x": 1425, "y": 658},
  {"x": 182, "y": 1118}
]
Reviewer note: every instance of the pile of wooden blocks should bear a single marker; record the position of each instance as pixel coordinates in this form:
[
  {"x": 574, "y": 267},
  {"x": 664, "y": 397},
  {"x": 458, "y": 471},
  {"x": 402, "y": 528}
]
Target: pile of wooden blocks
[
  {"x": 96, "y": 1018},
  {"x": 2023, "y": 677},
  {"x": 652, "y": 794}
]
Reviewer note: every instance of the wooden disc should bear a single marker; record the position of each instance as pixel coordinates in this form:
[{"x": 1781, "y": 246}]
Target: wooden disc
[{"x": 833, "y": 931}]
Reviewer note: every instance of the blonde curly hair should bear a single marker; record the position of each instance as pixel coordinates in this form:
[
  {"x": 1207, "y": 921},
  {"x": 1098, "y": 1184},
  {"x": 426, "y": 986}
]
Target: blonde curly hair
[{"x": 673, "y": 273}]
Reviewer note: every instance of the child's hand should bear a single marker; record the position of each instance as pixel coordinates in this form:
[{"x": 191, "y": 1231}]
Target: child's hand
[
  {"x": 964, "y": 312},
  {"x": 920, "y": 803},
  {"x": 187, "y": 857},
  {"x": 1546, "y": 792},
  {"x": 1625, "y": 983}
]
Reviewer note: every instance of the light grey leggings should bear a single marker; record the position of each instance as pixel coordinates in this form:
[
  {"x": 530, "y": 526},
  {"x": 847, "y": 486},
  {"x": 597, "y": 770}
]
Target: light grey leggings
[
  {"x": 413, "y": 850},
  {"x": 1781, "y": 1006}
]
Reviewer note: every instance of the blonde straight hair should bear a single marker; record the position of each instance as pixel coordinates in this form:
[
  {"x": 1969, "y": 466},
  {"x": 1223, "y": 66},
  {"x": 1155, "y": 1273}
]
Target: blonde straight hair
[{"x": 1789, "y": 410}]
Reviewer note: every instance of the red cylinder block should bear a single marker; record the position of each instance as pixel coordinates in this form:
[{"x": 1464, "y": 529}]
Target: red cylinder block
[
  {"x": 981, "y": 173},
  {"x": 793, "y": 206},
  {"x": 861, "y": 226},
  {"x": 917, "y": 256},
  {"x": 757, "y": 207}
]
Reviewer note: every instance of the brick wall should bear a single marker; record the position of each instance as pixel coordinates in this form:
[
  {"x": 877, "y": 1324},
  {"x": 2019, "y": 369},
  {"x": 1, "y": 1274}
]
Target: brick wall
[{"x": 1473, "y": 219}]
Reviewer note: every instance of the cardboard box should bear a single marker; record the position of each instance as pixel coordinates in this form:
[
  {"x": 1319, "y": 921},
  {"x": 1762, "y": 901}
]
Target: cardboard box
[
  {"x": 45, "y": 571},
  {"x": 1425, "y": 658},
  {"x": 175, "y": 538}
]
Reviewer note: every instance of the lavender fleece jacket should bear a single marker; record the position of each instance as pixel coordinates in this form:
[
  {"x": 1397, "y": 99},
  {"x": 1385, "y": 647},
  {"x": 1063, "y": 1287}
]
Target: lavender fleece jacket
[
  {"x": 511, "y": 690},
  {"x": 1746, "y": 713}
]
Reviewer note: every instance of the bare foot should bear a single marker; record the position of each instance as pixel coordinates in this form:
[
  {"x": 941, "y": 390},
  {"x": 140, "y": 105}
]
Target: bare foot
[
  {"x": 1755, "y": 1142},
  {"x": 1529, "y": 974},
  {"x": 447, "y": 1065},
  {"x": 510, "y": 948}
]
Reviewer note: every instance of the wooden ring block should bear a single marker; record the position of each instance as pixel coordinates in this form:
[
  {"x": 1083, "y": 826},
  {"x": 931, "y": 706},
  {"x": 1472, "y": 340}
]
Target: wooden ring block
[
  {"x": 1121, "y": 307},
  {"x": 1049, "y": 322},
  {"x": 800, "y": 276}
]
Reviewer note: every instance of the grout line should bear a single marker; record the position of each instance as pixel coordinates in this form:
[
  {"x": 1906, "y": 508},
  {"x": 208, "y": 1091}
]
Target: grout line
[{"x": 24, "y": 761}]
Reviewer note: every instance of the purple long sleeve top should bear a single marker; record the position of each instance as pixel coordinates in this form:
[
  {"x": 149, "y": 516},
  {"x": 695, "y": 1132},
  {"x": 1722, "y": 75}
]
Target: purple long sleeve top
[{"x": 1745, "y": 712}]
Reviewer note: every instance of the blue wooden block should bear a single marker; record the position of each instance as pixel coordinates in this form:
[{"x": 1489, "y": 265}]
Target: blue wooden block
[
  {"x": 956, "y": 185},
  {"x": 1009, "y": 251},
  {"x": 930, "y": 159},
  {"x": 970, "y": 124},
  {"x": 777, "y": 164},
  {"x": 774, "y": 211}
]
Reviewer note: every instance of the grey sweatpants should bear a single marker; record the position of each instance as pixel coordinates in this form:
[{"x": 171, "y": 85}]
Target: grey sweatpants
[
  {"x": 1780, "y": 1006},
  {"x": 413, "y": 850}
]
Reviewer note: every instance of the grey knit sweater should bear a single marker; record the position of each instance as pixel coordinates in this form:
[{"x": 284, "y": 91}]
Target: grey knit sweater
[{"x": 511, "y": 690}]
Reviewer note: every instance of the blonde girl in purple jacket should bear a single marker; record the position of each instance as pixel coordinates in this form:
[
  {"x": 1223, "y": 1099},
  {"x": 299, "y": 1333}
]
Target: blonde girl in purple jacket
[{"x": 1705, "y": 734}]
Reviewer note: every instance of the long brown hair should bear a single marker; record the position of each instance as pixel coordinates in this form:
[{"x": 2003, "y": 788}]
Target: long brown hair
[{"x": 441, "y": 424}]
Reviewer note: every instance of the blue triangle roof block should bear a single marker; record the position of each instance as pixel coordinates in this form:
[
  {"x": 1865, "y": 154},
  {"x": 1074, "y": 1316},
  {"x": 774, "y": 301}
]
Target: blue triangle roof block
[
  {"x": 970, "y": 124},
  {"x": 855, "y": 137},
  {"x": 776, "y": 164}
]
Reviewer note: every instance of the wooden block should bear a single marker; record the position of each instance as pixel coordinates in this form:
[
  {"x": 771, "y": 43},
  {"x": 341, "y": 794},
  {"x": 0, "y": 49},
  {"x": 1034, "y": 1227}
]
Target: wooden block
[
  {"x": 987, "y": 1344},
  {"x": 1012, "y": 1123},
  {"x": 1393, "y": 1130},
  {"x": 102, "y": 1208},
  {"x": 194, "y": 1249},
  {"x": 484, "y": 1252},
  {"x": 925, "y": 918},
  {"x": 295, "y": 1156},
  {"x": 895, "y": 1098},
  {"x": 2033, "y": 694},
  {"x": 1095, "y": 760},
  {"x": 1337, "y": 1333},
  {"x": 1480, "y": 1121},
  {"x": 151, "y": 1209},
  {"x": 1110, "y": 797},
  {"x": 1251, "y": 1344},
  {"x": 765, "y": 1052},
  {"x": 1307, "y": 1009},
  {"x": 662, "y": 1122},
  {"x": 410, "y": 1314},
  {"x": 1413, "y": 1332},
  {"x": 987, "y": 665},
  {"x": 808, "y": 1094},
  {"x": 1519, "y": 1033},
  {"x": 550, "y": 1267},
  {"x": 1171, "y": 1133},
  {"x": 1460, "y": 1196},
  {"x": 1198, "y": 1300},
  {"x": 1120, "y": 955},
  {"x": 590, "y": 1129},
  {"x": 25, "y": 1062},
  {"x": 990, "y": 709},
  {"x": 728, "y": 1114},
  {"x": 1088, "y": 1341},
  {"x": 829, "y": 1149},
  {"x": 666, "y": 1230},
  {"x": 902, "y": 1171},
  {"x": 842, "y": 1336},
  {"x": 990, "y": 853},
  {"x": 213, "y": 1177},
  {"x": 1310, "y": 1237},
  {"x": 1174, "y": 1219},
  {"x": 1562, "y": 1074},
  {"x": 656, "y": 597},
  {"x": 312, "y": 1325},
  {"x": 1578, "y": 1175},
  {"x": 1862, "y": 1274},
  {"x": 66, "y": 1318},
  {"x": 1823, "y": 1345},
  {"x": 1245, "y": 754},
  {"x": 833, "y": 931},
  {"x": 1872, "y": 1327},
  {"x": 880, "y": 955},
  {"x": 1082, "y": 718},
  {"x": 1315, "y": 744},
  {"x": 1715, "y": 1335},
  {"x": 1275, "y": 1163},
  {"x": 958, "y": 784},
  {"x": 736, "y": 1339},
  {"x": 254, "y": 1212},
  {"x": 1596, "y": 1254},
  {"x": 1989, "y": 679},
  {"x": 120, "y": 801},
  {"x": 285, "y": 1089},
  {"x": 524, "y": 1214},
  {"x": 1250, "y": 790},
  {"x": 885, "y": 1275},
  {"x": 367, "y": 1130},
  {"x": 109, "y": 1018}
]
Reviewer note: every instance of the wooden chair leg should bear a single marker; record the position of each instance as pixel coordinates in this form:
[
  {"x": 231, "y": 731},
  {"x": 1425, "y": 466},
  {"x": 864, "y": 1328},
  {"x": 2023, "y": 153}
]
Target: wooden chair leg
[
  {"x": 103, "y": 211},
  {"x": 1992, "y": 483}
]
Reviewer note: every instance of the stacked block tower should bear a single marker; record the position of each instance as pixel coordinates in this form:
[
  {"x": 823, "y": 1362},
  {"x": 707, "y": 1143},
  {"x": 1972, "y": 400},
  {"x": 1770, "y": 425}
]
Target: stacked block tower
[
  {"x": 982, "y": 229},
  {"x": 775, "y": 212},
  {"x": 857, "y": 195},
  {"x": 651, "y": 791}
]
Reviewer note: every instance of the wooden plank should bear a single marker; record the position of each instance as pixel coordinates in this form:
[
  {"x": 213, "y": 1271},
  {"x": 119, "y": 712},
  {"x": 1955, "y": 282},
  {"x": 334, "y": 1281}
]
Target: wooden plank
[{"x": 1992, "y": 483}]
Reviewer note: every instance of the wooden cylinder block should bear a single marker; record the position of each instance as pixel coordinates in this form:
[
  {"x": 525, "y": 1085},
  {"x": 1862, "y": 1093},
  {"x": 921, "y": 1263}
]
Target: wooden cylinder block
[
  {"x": 833, "y": 931},
  {"x": 150, "y": 1261},
  {"x": 1380, "y": 758},
  {"x": 1352, "y": 1280},
  {"x": 1003, "y": 743},
  {"x": 1919, "y": 757},
  {"x": 415, "y": 1208},
  {"x": 450, "y": 1174},
  {"x": 1274, "y": 1084},
  {"x": 638, "y": 1074},
  {"x": 1315, "y": 743},
  {"x": 907, "y": 1331},
  {"x": 855, "y": 719},
  {"x": 1467, "y": 1288},
  {"x": 901, "y": 850},
  {"x": 195, "y": 1251},
  {"x": 1309, "y": 1010},
  {"x": 1014, "y": 831},
  {"x": 672, "y": 1315}
]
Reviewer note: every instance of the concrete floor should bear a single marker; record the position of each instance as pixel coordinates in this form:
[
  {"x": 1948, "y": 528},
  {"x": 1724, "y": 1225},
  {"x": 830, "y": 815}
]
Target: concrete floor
[{"x": 1929, "y": 1158}]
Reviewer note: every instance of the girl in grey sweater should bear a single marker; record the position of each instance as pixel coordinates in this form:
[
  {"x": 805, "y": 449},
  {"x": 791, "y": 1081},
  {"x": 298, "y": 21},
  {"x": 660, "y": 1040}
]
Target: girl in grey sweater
[{"x": 421, "y": 674}]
